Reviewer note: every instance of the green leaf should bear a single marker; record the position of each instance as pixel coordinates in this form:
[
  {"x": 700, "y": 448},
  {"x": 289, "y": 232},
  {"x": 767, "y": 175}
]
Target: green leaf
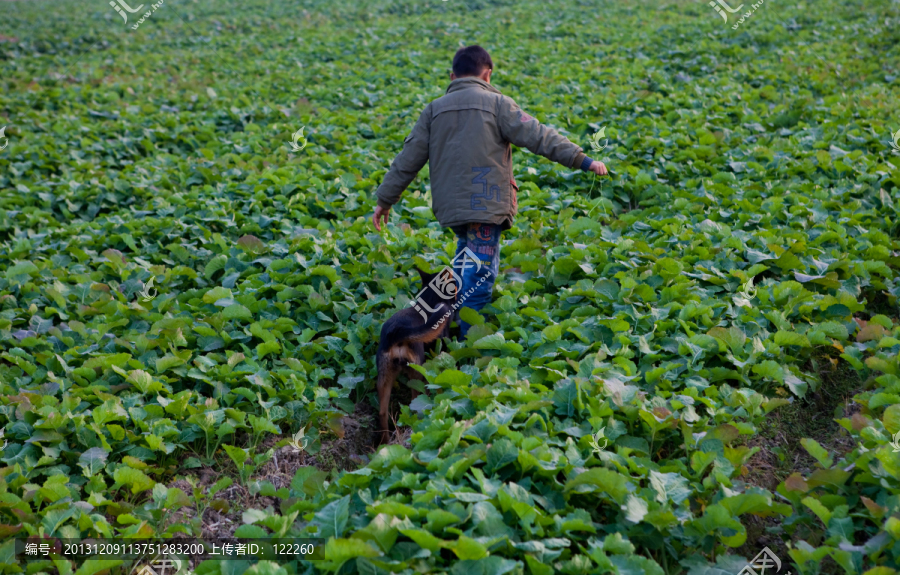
[
  {"x": 93, "y": 460},
  {"x": 265, "y": 568},
  {"x": 236, "y": 311},
  {"x": 834, "y": 329},
  {"x": 791, "y": 338},
  {"x": 600, "y": 479},
  {"x": 339, "y": 551},
  {"x": 214, "y": 265},
  {"x": 494, "y": 341},
  {"x": 717, "y": 520},
  {"x": 326, "y": 271},
  {"x": 217, "y": 293},
  {"x": 136, "y": 478},
  {"x": 110, "y": 410},
  {"x": 816, "y": 507},
  {"x": 769, "y": 369},
  {"x": 468, "y": 548},
  {"x": 251, "y": 532},
  {"x": 635, "y": 508},
  {"x": 670, "y": 487},
  {"x": 733, "y": 337},
  {"x": 470, "y": 316},
  {"x": 891, "y": 419},
  {"x": 92, "y": 566},
  {"x": 552, "y": 332},
  {"x": 21, "y": 268},
  {"x": 820, "y": 453},
  {"x": 425, "y": 539},
  {"x": 238, "y": 455},
  {"x": 389, "y": 456},
  {"x": 452, "y": 378},
  {"x": 502, "y": 452},
  {"x": 331, "y": 520},
  {"x": 382, "y": 529},
  {"x": 264, "y": 349}
]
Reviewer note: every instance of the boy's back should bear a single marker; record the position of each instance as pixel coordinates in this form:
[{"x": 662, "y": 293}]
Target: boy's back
[{"x": 465, "y": 137}]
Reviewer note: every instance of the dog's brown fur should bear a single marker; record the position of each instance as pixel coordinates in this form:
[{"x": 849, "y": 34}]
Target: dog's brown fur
[{"x": 403, "y": 339}]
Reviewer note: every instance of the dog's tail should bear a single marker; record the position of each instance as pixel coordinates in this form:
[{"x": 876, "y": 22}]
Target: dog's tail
[{"x": 427, "y": 332}]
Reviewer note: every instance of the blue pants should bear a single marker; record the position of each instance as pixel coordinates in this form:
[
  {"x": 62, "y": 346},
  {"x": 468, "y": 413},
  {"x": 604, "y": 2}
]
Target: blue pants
[{"x": 477, "y": 277}]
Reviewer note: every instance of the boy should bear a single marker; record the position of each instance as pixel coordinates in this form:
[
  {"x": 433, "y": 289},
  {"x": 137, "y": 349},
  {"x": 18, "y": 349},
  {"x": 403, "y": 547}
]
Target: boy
[{"x": 466, "y": 136}]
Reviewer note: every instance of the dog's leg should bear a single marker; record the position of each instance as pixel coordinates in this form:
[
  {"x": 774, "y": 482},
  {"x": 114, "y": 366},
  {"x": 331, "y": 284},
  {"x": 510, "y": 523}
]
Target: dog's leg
[{"x": 387, "y": 373}]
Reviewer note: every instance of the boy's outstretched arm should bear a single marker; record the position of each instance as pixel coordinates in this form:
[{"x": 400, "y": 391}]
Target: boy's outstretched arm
[
  {"x": 524, "y": 131},
  {"x": 404, "y": 169}
]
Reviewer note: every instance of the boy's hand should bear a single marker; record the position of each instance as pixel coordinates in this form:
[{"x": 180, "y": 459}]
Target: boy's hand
[
  {"x": 383, "y": 214},
  {"x": 598, "y": 168}
]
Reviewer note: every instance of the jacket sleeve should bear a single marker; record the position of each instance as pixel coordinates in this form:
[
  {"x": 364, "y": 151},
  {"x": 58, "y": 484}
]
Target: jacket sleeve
[
  {"x": 408, "y": 162},
  {"x": 524, "y": 131}
]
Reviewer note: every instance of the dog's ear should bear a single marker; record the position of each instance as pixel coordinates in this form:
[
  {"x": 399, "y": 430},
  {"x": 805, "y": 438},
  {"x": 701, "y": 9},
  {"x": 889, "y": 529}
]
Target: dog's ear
[{"x": 424, "y": 276}]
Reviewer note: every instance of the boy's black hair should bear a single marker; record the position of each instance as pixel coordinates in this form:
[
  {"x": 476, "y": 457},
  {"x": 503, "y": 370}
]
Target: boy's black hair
[{"x": 471, "y": 61}]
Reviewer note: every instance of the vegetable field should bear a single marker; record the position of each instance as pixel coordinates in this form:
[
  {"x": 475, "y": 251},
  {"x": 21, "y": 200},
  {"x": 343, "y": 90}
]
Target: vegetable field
[{"x": 685, "y": 362}]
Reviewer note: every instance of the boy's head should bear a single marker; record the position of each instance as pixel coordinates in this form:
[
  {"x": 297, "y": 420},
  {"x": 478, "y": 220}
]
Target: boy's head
[{"x": 472, "y": 61}]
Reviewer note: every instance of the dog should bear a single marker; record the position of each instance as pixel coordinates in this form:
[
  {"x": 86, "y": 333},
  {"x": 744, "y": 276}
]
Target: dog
[{"x": 404, "y": 337}]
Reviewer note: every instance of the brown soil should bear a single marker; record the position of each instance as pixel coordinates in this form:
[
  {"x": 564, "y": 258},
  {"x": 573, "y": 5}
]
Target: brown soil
[
  {"x": 781, "y": 454},
  {"x": 349, "y": 452}
]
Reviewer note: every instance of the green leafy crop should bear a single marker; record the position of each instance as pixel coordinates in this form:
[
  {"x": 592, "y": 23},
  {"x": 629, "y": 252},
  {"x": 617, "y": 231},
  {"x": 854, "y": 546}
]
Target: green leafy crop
[{"x": 188, "y": 282}]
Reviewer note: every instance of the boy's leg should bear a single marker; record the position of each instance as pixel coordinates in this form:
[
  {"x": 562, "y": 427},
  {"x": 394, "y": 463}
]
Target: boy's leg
[{"x": 478, "y": 277}]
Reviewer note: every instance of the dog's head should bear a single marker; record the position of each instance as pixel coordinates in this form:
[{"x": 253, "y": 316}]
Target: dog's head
[{"x": 443, "y": 287}]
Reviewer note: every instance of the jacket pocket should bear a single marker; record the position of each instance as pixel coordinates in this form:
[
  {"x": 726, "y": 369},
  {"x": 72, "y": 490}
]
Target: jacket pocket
[{"x": 515, "y": 195}]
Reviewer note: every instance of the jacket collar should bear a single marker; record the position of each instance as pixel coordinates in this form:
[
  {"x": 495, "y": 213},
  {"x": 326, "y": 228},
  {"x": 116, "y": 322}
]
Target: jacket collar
[{"x": 470, "y": 82}]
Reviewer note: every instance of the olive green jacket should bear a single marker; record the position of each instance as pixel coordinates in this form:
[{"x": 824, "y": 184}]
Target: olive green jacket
[{"x": 465, "y": 135}]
